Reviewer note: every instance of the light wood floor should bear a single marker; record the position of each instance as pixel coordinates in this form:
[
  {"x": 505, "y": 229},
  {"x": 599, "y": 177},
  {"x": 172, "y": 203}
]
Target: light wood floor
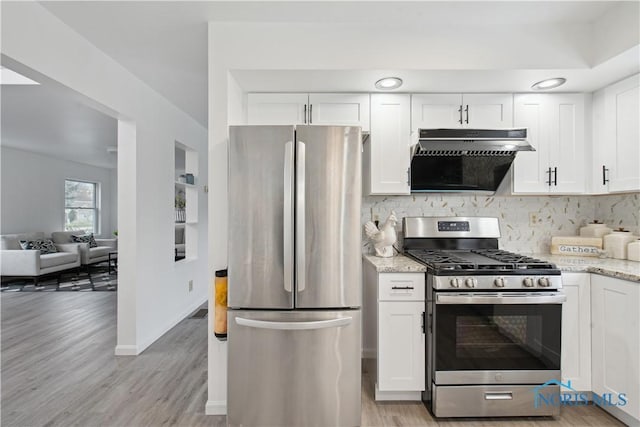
[{"x": 58, "y": 369}]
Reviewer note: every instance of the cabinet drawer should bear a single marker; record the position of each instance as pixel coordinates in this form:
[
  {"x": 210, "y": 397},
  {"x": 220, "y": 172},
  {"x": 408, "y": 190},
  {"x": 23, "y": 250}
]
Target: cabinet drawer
[{"x": 401, "y": 287}]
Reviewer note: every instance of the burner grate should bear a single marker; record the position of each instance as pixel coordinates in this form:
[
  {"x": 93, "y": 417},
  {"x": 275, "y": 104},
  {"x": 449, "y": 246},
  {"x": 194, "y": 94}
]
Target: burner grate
[
  {"x": 518, "y": 261},
  {"x": 485, "y": 260},
  {"x": 439, "y": 257}
]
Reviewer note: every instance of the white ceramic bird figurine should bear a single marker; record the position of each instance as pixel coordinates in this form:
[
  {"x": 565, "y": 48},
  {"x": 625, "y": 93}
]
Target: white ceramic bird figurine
[{"x": 384, "y": 238}]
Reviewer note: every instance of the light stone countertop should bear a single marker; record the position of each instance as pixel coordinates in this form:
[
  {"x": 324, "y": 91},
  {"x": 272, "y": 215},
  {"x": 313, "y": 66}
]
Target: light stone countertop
[
  {"x": 396, "y": 264},
  {"x": 620, "y": 269}
]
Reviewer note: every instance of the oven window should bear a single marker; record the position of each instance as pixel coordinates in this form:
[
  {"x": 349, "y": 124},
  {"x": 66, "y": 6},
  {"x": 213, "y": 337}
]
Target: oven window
[{"x": 497, "y": 337}]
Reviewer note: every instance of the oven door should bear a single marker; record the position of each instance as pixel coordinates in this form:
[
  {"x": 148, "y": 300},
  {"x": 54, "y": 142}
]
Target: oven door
[{"x": 497, "y": 338}]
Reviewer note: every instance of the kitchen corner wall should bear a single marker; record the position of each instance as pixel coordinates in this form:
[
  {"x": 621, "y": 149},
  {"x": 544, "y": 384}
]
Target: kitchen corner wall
[
  {"x": 620, "y": 210},
  {"x": 556, "y": 215}
]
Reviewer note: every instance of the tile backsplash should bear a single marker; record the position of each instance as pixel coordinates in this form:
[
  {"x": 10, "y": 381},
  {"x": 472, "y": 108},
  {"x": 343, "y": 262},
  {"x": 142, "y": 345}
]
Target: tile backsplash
[
  {"x": 527, "y": 222},
  {"x": 621, "y": 210}
]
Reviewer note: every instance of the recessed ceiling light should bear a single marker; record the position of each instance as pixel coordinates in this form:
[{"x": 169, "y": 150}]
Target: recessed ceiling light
[
  {"x": 10, "y": 77},
  {"x": 389, "y": 83},
  {"x": 549, "y": 83}
]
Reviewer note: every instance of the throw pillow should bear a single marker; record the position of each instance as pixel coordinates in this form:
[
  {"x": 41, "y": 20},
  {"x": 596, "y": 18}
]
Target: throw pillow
[
  {"x": 45, "y": 246},
  {"x": 87, "y": 238}
]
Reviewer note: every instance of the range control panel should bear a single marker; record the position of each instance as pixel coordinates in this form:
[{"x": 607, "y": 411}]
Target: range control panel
[
  {"x": 453, "y": 226},
  {"x": 497, "y": 282}
]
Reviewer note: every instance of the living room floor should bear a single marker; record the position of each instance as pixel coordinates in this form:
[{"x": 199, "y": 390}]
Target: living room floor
[{"x": 58, "y": 369}]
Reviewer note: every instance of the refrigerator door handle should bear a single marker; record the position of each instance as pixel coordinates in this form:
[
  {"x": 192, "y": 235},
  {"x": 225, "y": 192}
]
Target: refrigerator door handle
[
  {"x": 300, "y": 216},
  {"x": 288, "y": 216},
  {"x": 294, "y": 326}
]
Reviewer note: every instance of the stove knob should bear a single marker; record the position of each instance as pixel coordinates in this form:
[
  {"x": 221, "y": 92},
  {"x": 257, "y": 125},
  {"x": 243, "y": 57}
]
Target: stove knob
[
  {"x": 499, "y": 282},
  {"x": 528, "y": 282},
  {"x": 455, "y": 283},
  {"x": 470, "y": 282},
  {"x": 544, "y": 282}
]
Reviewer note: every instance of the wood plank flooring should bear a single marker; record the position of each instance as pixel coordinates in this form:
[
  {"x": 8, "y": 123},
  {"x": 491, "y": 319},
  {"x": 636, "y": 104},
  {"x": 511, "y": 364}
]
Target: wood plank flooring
[{"x": 58, "y": 369}]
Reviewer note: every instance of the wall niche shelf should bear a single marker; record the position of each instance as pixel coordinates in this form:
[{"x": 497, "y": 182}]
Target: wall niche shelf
[{"x": 185, "y": 204}]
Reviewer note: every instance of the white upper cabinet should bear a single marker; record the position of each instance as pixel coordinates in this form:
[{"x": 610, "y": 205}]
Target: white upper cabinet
[
  {"x": 555, "y": 124},
  {"x": 302, "y": 108},
  {"x": 480, "y": 111},
  {"x": 339, "y": 109},
  {"x": 530, "y": 168},
  {"x": 436, "y": 110},
  {"x": 387, "y": 152},
  {"x": 277, "y": 108},
  {"x": 621, "y": 143},
  {"x": 488, "y": 111}
]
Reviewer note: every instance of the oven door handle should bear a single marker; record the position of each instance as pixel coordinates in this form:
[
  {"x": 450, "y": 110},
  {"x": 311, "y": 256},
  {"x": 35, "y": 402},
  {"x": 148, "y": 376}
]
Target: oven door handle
[{"x": 501, "y": 299}]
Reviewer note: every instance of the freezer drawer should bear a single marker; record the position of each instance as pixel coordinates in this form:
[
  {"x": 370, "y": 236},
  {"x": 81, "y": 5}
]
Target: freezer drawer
[{"x": 294, "y": 368}]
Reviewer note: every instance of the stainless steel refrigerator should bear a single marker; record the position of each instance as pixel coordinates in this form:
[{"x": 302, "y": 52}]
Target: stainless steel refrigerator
[{"x": 295, "y": 292}]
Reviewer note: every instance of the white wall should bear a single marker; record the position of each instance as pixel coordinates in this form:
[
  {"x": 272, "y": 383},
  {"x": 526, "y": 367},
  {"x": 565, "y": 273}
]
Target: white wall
[
  {"x": 153, "y": 290},
  {"x": 32, "y": 189}
]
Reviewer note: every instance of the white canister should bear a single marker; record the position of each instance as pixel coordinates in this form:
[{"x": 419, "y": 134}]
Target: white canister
[
  {"x": 616, "y": 243},
  {"x": 633, "y": 251},
  {"x": 595, "y": 229}
]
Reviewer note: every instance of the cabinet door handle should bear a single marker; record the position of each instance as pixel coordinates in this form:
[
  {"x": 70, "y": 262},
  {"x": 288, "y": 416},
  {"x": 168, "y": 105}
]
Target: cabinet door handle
[
  {"x": 402, "y": 287},
  {"x": 605, "y": 173},
  {"x": 408, "y": 177},
  {"x": 310, "y": 113},
  {"x": 304, "y": 114},
  {"x": 460, "y": 112},
  {"x": 466, "y": 110},
  {"x": 548, "y": 181},
  {"x": 555, "y": 176},
  {"x": 424, "y": 322}
]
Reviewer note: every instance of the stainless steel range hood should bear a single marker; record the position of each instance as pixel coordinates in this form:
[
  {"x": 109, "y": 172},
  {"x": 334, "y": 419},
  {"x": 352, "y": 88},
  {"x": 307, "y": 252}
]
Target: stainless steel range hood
[{"x": 464, "y": 159}]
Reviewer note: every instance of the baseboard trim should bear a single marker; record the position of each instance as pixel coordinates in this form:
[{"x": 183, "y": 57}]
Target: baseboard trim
[
  {"x": 126, "y": 350},
  {"x": 134, "y": 350},
  {"x": 215, "y": 407},
  {"x": 397, "y": 395},
  {"x": 620, "y": 415}
]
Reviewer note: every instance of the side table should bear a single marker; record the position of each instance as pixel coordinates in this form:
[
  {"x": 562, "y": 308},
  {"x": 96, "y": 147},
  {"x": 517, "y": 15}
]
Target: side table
[{"x": 113, "y": 262}]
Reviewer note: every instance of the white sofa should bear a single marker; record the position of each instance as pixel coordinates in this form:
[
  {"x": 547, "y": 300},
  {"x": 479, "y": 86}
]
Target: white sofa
[
  {"x": 17, "y": 262},
  {"x": 88, "y": 255}
]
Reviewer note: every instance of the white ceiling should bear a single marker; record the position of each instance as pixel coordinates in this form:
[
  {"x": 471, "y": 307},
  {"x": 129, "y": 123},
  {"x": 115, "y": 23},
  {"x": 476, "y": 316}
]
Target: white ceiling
[
  {"x": 578, "y": 80},
  {"x": 165, "y": 43},
  {"x": 50, "y": 121}
]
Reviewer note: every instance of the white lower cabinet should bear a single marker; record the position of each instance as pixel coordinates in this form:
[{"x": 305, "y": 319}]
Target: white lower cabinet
[
  {"x": 576, "y": 331},
  {"x": 401, "y": 356},
  {"x": 615, "y": 351},
  {"x": 401, "y": 338}
]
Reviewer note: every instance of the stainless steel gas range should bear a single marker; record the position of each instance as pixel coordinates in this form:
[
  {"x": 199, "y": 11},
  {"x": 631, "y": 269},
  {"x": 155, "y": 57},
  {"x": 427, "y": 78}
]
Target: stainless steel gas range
[{"x": 494, "y": 320}]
